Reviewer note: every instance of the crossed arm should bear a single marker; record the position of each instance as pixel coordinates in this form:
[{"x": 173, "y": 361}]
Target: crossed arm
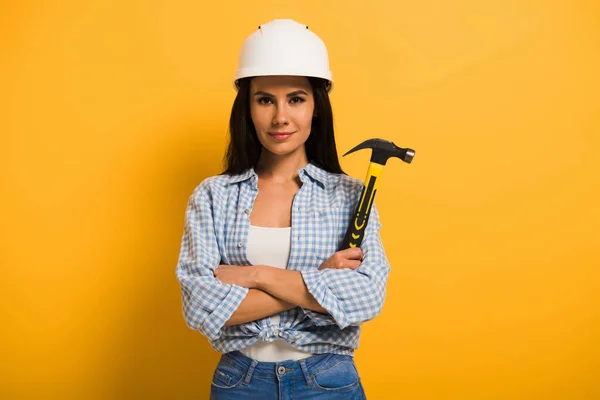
[
  {"x": 334, "y": 294},
  {"x": 260, "y": 303},
  {"x": 274, "y": 290}
]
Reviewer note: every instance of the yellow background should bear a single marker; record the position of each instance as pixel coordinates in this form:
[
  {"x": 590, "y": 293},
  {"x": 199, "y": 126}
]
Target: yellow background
[{"x": 111, "y": 112}]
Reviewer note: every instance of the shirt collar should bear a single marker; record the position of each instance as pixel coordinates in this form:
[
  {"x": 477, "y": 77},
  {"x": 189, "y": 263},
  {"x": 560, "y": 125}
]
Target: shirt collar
[
  {"x": 316, "y": 174},
  {"x": 312, "y": 171},
  {"x": 244, "y": 176}
]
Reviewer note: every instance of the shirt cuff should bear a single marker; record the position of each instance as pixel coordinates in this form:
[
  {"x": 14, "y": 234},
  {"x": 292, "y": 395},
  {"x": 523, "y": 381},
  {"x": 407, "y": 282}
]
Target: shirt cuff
[
  {"x": 317, "y": 287},
  {"x": 223, "y": 312}
]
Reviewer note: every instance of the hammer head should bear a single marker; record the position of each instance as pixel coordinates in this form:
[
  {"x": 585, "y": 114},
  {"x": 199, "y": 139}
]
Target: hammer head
[{"x": 383, "y": 149}]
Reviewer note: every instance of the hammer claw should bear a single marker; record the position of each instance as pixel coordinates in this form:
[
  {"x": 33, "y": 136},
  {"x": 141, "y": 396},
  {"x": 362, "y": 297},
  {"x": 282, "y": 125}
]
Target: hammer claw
[{"x": 383, "y": 150}]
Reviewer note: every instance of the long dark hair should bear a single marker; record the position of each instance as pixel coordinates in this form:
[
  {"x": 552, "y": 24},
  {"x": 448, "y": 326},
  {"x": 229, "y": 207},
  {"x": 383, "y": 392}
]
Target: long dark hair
[{"x": 244, "y": 147}]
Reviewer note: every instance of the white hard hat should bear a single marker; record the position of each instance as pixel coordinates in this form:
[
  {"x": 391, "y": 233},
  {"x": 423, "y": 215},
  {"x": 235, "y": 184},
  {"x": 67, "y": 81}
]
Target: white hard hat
[{"x": 283, "y": 47}]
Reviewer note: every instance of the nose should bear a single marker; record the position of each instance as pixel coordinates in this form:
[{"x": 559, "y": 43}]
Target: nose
[{"x": 280, "y": 117}]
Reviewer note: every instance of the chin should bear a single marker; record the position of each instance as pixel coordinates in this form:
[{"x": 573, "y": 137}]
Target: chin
[
  {"x": 280, "y": 152},
  {"x": 283, "y": 149}
]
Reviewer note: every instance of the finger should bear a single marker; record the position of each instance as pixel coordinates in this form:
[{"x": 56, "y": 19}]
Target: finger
[
  {"x": 325, "y": 265},
  {"x": 346, "y": 264},
  {"x": 353, "y": 253}
]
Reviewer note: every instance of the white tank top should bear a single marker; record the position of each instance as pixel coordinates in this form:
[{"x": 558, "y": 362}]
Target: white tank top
[{"x": 271, "y": 246}]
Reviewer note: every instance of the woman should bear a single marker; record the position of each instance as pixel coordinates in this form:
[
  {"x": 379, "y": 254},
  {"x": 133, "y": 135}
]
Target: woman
[{"x": 259, "y": 269}]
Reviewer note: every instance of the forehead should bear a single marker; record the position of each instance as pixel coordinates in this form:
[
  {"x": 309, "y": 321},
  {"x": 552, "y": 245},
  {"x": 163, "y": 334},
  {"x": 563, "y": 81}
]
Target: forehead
[{"x": 280, "y": 83}]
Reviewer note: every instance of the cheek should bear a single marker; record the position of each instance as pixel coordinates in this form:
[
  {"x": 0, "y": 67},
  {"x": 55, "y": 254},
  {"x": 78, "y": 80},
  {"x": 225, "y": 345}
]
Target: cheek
[
  {"x": 305, "y": 118},
  {"x": 260, "y": 119}
]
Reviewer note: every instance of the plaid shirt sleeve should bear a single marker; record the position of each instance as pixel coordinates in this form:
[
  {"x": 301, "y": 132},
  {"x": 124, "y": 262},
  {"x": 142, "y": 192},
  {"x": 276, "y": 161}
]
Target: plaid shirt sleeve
[
  {"x": 207, "y": 303},
  {"x": 352, "y": 296}
]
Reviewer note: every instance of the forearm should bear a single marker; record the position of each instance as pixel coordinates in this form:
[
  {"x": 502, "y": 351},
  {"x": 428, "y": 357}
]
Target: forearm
[
  {"x": 257, "y": 305},
  {"x": 288, "y": 286}
]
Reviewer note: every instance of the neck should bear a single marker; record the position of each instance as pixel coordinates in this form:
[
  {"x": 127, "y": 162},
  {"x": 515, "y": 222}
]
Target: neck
[{"x": 280, "y": 168}]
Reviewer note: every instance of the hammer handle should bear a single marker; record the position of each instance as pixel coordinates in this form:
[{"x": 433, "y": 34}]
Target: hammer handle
[{"x": 355, "y": 233}]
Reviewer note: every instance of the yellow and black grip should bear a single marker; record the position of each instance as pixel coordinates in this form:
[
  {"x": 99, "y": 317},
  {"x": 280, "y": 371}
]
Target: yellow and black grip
[
  {"x": 358, "y": 225},
  {"x": 382, "y": 151}
]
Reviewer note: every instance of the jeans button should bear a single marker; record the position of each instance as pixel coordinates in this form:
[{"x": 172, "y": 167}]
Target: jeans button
[{"x": 281, "y": 370}]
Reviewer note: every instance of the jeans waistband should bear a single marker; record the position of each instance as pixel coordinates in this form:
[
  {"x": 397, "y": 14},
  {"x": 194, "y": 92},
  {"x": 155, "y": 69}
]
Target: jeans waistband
[{"x": 313, "y": 363}]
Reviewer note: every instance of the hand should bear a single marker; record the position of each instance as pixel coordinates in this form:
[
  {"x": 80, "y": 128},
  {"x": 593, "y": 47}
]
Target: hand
[
  {"x": 348, "y": 258},
  {"x": 244, "y": 276}
]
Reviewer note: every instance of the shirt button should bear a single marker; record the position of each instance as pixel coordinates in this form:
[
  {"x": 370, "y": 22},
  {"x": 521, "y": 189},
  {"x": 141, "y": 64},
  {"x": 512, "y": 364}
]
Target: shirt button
[
  {"x": 247, "y": 211},
  {"x": 241, "y": 244},
  {"x": 281, "y": 370}
]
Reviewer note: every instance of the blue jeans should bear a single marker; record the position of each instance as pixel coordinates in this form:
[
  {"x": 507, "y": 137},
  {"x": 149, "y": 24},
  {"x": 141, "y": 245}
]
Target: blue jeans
[{"x": 323, "y": 376}]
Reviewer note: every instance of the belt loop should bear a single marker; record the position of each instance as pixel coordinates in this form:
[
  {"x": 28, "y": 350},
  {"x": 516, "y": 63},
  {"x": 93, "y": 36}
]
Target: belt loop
[
  {"x": 305, "y": 372},
  {"x": 249, "y": 372}
]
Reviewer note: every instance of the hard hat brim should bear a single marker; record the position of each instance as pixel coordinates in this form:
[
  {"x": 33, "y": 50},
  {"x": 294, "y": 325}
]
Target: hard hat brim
[{"x": 256, "y": 74}]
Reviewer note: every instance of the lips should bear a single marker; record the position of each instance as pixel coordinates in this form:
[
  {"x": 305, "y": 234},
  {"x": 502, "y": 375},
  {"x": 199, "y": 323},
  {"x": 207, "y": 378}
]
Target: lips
[{"x": 281, "y": 136}]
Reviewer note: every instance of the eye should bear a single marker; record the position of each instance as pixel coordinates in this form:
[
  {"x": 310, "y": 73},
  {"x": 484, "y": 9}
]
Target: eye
[
  {"x": 264, "y": 100},
  {"x": 296, "y": 100}
]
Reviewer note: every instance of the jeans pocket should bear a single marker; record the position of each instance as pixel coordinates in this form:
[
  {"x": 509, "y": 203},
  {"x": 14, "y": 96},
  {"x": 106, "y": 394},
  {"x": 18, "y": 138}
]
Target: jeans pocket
[
  {"x": 342, "y": 375},
  {"x": 227, "y": 376}
]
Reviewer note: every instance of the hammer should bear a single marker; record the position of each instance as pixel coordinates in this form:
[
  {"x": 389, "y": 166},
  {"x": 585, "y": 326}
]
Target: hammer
[{"x": 382, "y": 150}]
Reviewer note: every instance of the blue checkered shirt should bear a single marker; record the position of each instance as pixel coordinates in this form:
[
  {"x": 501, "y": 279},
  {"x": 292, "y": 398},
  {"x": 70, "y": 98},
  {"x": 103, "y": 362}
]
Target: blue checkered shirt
[{"x": 216, "y": 231}]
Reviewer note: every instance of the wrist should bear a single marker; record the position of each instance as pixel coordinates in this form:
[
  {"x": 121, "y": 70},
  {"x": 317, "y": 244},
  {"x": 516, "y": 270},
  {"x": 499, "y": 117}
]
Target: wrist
[{"x": 259, "y": 276}]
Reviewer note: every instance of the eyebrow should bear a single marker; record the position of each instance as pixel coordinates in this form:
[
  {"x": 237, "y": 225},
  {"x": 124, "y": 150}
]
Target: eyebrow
[{"x": 297, "y": 92}]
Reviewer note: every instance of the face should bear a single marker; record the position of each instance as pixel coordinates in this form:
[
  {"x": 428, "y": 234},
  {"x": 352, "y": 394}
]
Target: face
[{"x": 282, "y": 110}]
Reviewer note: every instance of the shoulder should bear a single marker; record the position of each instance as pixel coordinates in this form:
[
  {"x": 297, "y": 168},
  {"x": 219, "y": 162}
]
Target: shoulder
[
  {"x": 347, "y": 190},
  {"x": 213, "y": 187},
  {"x": 345, "y": 185},
  {"x": 343, "y": 182}
]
